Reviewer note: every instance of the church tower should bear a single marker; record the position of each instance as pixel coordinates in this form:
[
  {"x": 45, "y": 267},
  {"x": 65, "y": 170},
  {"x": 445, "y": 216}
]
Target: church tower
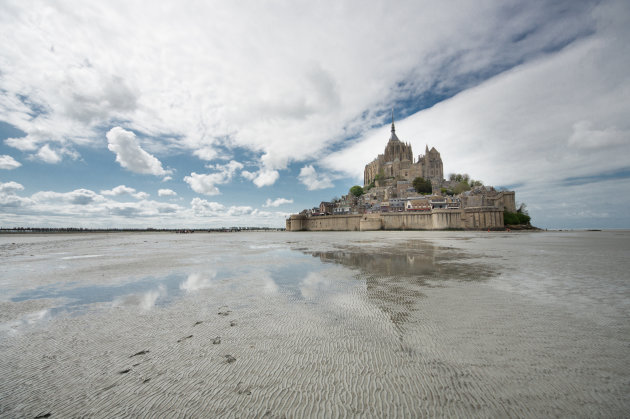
[{"x": 397, "y": 164}]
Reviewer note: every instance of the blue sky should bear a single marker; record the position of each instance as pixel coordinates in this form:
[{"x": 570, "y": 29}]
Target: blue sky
[{"x": 136, "y": 114}]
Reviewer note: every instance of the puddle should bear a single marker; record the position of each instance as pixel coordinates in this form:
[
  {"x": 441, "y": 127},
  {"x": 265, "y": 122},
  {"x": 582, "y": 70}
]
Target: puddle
[
  {"x": 80, "y": 257},
  {"x": 398, "y": 276},
  {"x": 414, "y": 259}
]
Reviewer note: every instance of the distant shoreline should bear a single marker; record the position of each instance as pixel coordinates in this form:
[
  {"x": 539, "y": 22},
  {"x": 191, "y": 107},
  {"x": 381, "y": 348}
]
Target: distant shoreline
[
  {"x": 37, "y": 230},
  {"x": 25, "y": 230}
]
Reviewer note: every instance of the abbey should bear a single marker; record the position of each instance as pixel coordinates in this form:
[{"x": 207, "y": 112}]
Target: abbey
[
  {"x": 390, "y": 201},
  {"x": 397, "y": 163}
]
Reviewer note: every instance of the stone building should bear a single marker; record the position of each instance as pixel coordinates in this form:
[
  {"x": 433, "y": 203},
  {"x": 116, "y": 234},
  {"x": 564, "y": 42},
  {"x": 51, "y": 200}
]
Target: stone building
[{"x": 397, "y": 163}]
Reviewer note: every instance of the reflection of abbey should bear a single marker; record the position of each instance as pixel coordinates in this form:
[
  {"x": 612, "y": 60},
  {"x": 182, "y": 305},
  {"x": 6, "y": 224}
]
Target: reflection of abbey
[
  {"x": 397, "y": 162},
  {"x": 389, "y": 201}
]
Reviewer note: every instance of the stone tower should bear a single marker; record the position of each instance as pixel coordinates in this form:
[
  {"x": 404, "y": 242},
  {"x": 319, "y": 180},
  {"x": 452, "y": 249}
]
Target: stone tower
[{"x": 396, "y": 163}]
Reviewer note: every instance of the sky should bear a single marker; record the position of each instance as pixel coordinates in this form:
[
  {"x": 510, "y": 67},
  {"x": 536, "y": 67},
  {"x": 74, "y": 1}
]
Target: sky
[{"x": 238, "y": 113}]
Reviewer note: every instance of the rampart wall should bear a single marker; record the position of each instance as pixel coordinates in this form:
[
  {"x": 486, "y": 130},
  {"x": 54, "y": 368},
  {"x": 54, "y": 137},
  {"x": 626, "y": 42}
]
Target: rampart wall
[{"x": 480, "y": 218}]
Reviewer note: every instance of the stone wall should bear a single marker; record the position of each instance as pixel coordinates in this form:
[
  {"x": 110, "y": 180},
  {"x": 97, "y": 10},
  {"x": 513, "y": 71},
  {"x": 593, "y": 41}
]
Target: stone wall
[
  {"x": 299, "y": 222},
  {"x": 482, "y": 218},
  {"x": 470, "y": 218}
]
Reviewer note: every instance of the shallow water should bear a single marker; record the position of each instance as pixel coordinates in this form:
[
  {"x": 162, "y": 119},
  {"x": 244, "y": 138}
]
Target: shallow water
[{"x": 315, "y": 324}]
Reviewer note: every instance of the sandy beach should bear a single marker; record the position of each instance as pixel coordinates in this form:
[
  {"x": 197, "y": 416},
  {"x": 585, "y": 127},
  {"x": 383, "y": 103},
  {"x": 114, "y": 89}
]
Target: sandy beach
[{"x": 379, "y": 324}]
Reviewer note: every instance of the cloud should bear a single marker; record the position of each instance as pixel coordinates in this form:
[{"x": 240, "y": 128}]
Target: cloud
[
  {"x": 206, "y": 183},
  {"x": 262, "y": 177},
  {"x": 313, "y": 181},
  {"x": 130, "y": 155},
  {"x": 10, "y": 187},
  {"x": 206, "y": 153},
  {"x": 277, "y": 202},
  {"x": 8, "y": 163},
  {"x": 237, "y": 211},
  {"x": 166, "y": 192},
  {"x": 125, "y": 190},
  {"x": 204, "y": 208},
  {"x": 266, "y": 177},
  {"x": 308, "y": 93},
  {"x": 48, "y": 155},
  {"x": 585, "y": 136},
  {"x": 9, "y": 198},
  {"x": 76, "y": 197}
]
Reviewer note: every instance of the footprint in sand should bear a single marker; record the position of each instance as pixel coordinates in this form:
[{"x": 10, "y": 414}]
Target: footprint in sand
[
  {"x": 146, "y": 351},
  {"x": 184, "y": 338},
  {"x": 243, "y": 390}
]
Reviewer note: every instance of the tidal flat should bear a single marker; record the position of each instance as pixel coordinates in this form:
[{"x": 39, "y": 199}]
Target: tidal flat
[{"x": 279, "y": 324}]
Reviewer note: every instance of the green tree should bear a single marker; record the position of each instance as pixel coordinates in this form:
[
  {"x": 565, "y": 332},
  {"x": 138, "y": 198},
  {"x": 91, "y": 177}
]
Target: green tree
[
  {"x": 356, "y": 190},
  {"x": 461, "y": 187},
  {"x": 458, "y": 177},
  {"x": 422, "y": 185},
  {"x": 521, "y": 216}
]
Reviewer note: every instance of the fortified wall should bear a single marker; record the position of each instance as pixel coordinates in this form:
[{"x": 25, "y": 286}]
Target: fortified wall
[{"x": 481, "y": 218}]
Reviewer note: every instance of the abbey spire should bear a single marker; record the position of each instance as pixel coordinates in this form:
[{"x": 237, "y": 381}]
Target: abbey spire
[{"x": 393, "y": 136}]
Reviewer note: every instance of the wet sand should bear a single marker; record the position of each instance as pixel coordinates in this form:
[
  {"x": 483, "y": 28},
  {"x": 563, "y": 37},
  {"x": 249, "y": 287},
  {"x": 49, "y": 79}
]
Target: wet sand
[{"x": 315, "y": 325}]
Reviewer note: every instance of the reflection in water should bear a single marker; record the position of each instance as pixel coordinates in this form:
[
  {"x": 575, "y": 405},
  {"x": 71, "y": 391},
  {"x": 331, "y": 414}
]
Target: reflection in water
[
  {"x": 145, "y": 293},
  {"x": 395, "y": 276},
  {"x": 198, "y": 281}
]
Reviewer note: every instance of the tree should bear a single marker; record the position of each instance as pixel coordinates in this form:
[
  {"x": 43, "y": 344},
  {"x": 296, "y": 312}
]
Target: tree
[
  {"x": 461, "y": 187},
  {"x": 458, "y": 177},
  {"x": 519, "y": 217},
  {"x": 422, "y": 185},
  {"x": 356, "y": 190}
]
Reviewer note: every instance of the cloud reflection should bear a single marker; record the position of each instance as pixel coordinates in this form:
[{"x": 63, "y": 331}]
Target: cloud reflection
[
  {"x": 148, "y": 299},
  {"x": 145, "y": 300},
  {"x": 197, "y": 281},
  {"x": 313, "y": 285},
  {"x": 27, "y": 320},
  {"x": 269, "y": 285}
]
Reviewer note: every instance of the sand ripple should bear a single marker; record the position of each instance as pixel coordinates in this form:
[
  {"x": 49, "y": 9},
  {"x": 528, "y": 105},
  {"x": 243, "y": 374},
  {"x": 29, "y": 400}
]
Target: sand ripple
[{"x": 353, "y": 344}]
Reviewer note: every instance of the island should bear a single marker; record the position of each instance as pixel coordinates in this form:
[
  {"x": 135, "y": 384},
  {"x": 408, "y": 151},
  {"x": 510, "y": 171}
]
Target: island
[{"x": 402, "y": 194}]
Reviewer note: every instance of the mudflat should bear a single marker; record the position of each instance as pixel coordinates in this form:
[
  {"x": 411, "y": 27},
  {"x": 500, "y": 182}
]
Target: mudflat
[{"x": 372, "y": 324}]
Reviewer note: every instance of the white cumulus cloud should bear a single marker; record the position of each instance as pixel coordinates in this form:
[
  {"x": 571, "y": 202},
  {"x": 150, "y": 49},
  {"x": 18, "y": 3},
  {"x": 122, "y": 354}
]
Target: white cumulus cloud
[
  {"x": 166, "y": 192},
  {"x": 130, "y": 155},
  {"x": 125, "y": 190},
  {"x": 206, "y": 183},
  {"x": 204, "y": 208},
  {"x": 312, "y": 180},
  {"x": 277, "y": 202},
  {"x": 9, "y": 163},
  {"x": 10, "y": 187},
  {"x": 48, "y": 155}
]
